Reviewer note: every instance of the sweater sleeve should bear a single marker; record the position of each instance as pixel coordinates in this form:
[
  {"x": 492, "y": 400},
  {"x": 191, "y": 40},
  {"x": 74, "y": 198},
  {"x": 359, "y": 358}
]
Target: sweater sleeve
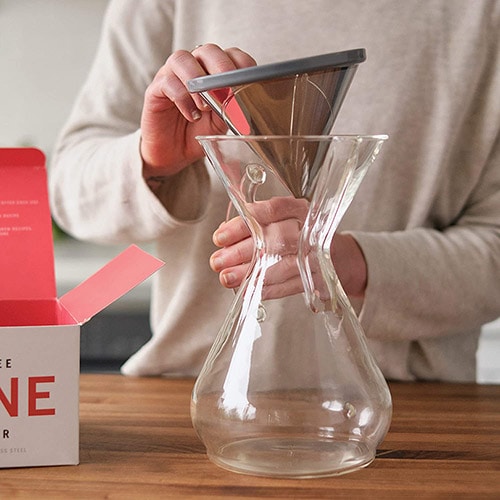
[
  {"x": 425, "y": 282},
  {"x": 96, "y": 184}
]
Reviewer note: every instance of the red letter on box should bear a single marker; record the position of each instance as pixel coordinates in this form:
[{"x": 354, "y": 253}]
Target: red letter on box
[
  {"x": 33, "y": 395},
  {"x": 12, "y": 405}
]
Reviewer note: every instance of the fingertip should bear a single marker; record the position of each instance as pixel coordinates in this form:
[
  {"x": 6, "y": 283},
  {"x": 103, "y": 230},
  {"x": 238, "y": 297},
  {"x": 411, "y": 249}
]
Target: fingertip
[
  {"x": 220, "y": 238},
  {"x": 240, "y": 58},
  {"x": 228, "y": 279},
  {"x": 196, "y": 115},
  {"x": 216, "y": 263}
]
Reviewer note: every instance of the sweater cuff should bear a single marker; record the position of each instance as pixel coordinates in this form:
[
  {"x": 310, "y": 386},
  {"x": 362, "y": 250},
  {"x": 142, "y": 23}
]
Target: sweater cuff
[
  {"x": 173, "y": 204},
  {"x": 382, "y": 281}
]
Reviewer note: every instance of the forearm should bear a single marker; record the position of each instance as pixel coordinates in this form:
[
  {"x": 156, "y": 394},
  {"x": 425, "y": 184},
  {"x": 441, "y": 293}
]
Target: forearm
[
  {"x": 427, "y": 283},
  {"x": 350, "y": 264},
  {"x": 98, "y": 192}
]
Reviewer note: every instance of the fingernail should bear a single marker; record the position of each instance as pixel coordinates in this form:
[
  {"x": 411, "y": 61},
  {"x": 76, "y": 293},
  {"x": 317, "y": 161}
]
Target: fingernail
[
  {"x": 220, "y": 238},
  {"x": 217, "y": 263},
  {"x": 229, "y": 279},
  {"x": 196, "y": 115}
]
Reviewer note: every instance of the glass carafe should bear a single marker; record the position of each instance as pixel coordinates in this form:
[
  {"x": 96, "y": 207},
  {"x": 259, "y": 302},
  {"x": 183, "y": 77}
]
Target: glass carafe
[{"x": 289, "y": 388}]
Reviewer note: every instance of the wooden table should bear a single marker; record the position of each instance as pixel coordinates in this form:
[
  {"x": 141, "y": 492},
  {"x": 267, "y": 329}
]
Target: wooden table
[{"x": 137, "y": 442}]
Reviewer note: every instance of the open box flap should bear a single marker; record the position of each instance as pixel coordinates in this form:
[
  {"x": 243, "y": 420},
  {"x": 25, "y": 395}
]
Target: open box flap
[
  {"x": 27, "y": 253},
  {"x": 115, "y": 279}
]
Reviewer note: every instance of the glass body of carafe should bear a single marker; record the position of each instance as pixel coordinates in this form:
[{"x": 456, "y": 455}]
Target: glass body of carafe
[{"x": 289, "y": 388}]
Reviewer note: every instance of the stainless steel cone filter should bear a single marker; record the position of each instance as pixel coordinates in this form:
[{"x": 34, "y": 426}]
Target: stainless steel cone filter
[{"x": 297, "y": 97}]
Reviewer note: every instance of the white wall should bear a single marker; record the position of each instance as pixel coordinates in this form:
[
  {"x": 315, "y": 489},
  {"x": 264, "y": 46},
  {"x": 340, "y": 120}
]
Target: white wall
[
  {"x": 488, "y": 355},
  {"x": 46, "y": 47}
]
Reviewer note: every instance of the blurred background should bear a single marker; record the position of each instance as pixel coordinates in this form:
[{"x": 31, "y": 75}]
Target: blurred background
[{"x": 46, "y": 48}]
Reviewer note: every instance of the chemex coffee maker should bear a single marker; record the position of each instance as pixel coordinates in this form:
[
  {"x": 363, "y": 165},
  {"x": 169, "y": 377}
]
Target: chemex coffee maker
[{"x": 289, "y": 388}]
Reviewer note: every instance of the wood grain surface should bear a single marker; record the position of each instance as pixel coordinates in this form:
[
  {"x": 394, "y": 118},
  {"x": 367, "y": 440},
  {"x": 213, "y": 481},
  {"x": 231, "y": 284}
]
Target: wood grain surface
[{"x": 136, "y": 441}]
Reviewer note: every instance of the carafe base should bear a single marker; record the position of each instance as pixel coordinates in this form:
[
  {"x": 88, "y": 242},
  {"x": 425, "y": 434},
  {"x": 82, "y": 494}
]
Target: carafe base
[{"x": 289, "y": 457}]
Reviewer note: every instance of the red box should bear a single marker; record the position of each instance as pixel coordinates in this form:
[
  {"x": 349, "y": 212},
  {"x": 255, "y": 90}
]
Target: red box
[{"x": 40, "y": 333}]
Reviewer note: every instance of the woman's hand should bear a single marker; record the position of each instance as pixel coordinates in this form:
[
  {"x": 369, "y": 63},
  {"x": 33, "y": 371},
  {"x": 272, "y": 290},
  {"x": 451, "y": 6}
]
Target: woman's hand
[
  {"x": 172, "y": 117},
  {"x": 282, "y": 220}
]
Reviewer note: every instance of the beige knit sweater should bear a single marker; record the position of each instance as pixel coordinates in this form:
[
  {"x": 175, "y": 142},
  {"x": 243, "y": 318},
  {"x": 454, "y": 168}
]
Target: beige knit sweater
[{"x": 427, "y": 215}]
